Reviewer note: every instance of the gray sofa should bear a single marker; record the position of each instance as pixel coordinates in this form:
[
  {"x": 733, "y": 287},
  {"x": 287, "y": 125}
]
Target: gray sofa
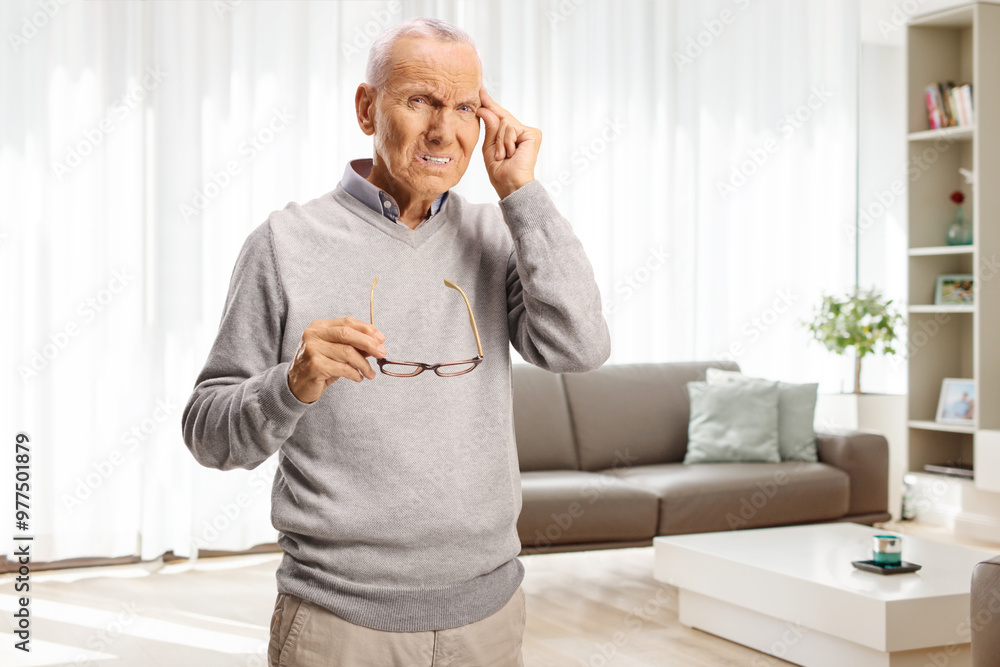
[
  {"x": 601, "y": 465},
  {"x": 984, "y": 614}
]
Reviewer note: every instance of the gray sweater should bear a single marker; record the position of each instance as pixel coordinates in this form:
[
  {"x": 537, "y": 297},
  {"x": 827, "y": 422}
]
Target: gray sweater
[{"x": 396, "y": 499}]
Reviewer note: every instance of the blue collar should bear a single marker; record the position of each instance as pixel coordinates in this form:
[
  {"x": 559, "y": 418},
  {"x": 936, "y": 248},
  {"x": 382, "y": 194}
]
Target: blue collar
[{"x": 378, "y": 200}]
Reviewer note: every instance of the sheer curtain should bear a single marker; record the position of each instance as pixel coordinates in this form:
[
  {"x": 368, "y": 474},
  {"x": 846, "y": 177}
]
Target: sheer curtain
[{"x": 704, "y": 151}]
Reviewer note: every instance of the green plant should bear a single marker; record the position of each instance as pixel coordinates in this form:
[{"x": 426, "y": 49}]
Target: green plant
[{"x": 862, "y": 320}]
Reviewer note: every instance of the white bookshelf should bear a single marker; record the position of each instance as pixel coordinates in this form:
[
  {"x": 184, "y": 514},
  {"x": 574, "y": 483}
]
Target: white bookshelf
[
  {"x": 943, "y": 133},
  {"x": 941, "y": 250},
  {"x": 942, "y": 309},
  {"x": 935, "y": 426},
  {"x": 960, "y": 45}
]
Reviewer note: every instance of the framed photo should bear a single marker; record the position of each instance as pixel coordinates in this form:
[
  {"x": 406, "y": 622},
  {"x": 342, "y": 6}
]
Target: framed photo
[
  {"x": 957, "y": 404},
  {"x": 954, "y": 289}
]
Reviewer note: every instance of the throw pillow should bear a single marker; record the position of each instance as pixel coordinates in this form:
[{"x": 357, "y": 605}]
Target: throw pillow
[
  {"x": 796, "y": 414},
  {"x": 735, "y": 422}
]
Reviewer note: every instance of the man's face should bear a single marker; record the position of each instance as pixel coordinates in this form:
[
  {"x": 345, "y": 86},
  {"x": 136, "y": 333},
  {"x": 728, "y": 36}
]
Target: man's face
[{"x": 424, "y": 119}]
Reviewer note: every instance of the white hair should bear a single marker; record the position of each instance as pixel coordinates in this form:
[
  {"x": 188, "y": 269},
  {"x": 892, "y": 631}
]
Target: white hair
[{"x": 380, "y": 56}]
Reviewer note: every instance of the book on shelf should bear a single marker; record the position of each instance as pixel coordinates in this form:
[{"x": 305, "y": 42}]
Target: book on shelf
[{"x": 949, "y": 105}]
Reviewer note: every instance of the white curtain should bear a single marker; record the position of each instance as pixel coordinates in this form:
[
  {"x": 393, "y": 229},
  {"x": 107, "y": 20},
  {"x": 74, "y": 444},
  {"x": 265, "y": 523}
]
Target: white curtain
[{"x": 704, "y": 151}]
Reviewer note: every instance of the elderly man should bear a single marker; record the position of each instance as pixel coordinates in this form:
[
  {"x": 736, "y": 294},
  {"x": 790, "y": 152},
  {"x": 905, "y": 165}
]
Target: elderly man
[{"x": 396, "y": 496}]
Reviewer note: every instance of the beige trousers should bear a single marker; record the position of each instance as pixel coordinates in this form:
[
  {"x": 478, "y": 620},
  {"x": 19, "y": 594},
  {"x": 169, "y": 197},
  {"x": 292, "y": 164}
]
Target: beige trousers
[{"x": 304, "y": 634}]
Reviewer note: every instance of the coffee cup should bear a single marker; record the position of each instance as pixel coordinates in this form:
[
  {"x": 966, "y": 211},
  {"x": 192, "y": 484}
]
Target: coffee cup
[{"x": 887, "y": 549}]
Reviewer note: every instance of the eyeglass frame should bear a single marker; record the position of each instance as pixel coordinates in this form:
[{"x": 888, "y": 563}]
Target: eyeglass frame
[{"x": 420, "y": 366}]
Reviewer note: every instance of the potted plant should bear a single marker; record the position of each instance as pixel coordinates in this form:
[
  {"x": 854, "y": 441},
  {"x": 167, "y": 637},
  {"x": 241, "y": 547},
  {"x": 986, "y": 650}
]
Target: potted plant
[
  {"x": 862, "y": 321},
  {"x": 866, "y": 323}
]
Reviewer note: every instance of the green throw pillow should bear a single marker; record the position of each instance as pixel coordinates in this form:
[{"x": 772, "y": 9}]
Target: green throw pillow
[
  {"x": 733, "y": 422},
  {"x": 796, "y": 413}
]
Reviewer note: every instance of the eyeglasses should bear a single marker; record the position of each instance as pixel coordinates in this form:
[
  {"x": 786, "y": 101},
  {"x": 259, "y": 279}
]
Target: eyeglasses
[{"x": 406, "y": 369}]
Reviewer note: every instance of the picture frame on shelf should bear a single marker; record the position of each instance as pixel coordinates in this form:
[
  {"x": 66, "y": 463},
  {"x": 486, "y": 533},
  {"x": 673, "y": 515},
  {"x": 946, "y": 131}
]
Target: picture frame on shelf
[
  {"x": 957, "y": 403},
  {"x": 955, "y": 289}
]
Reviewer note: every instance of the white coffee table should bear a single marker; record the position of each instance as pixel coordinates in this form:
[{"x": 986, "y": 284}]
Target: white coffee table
[{"x": 793, "y": 593}]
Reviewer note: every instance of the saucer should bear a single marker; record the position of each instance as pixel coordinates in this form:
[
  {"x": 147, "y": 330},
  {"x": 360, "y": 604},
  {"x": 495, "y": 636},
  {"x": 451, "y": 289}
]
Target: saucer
[{"x": 879, "y": 568}]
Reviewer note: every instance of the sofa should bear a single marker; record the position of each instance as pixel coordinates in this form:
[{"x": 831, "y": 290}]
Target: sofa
[
  {"x": 984, "y": 614},
  {"x": 601, "y": 459}
]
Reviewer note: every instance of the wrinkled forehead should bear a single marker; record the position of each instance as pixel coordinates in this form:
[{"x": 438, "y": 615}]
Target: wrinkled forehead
[{"x": 446, "y": 68}]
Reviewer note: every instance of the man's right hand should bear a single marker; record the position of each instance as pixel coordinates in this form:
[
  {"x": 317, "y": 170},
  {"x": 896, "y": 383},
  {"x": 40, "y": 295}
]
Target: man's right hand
[{"x": 330, "y": 350}]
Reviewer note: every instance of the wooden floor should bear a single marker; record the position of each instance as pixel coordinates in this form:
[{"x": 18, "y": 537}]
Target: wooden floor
[
  {"x": 604, "y": 608},
  {"x": 597, "y": 609}
]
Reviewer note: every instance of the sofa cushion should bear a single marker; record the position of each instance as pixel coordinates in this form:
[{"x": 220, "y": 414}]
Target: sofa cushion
[
  {"x": 727, "y": 496},
  {"x": 796, "y": 413},
  {"x": 735, "y": 422},
  {"x": 541, "y": 421},
  {"x": 573, "y": 507},
  {"x": 633, "y": 412}
]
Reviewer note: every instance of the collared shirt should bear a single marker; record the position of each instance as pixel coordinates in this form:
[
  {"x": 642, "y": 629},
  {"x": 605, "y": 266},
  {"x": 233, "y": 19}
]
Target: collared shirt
[{"x": 376, "y": 199}]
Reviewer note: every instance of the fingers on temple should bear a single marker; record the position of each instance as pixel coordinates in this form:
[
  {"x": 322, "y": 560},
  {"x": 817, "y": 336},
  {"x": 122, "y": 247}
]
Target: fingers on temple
[
  {"x": 492, "y": 122},
  {"x": 488, "y": 101}
]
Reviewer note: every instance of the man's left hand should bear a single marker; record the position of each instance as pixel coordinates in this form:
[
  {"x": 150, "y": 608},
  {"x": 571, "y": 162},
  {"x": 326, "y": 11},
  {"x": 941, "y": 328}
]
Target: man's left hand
[{"x": 510, "y": 149}]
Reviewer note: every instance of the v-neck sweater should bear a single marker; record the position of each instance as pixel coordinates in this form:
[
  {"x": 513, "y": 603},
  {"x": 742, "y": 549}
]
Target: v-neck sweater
[{"x": 396, "y": 499}]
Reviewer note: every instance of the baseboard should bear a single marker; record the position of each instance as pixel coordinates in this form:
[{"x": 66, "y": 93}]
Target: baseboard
[{"x": 957, "y": 505}]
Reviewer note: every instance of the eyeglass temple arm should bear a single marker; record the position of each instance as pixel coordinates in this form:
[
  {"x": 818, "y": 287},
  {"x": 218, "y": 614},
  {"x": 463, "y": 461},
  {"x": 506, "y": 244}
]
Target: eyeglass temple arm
[
  {"x": 472, "y": 318},
  {"x": 448, "y": 283}
]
